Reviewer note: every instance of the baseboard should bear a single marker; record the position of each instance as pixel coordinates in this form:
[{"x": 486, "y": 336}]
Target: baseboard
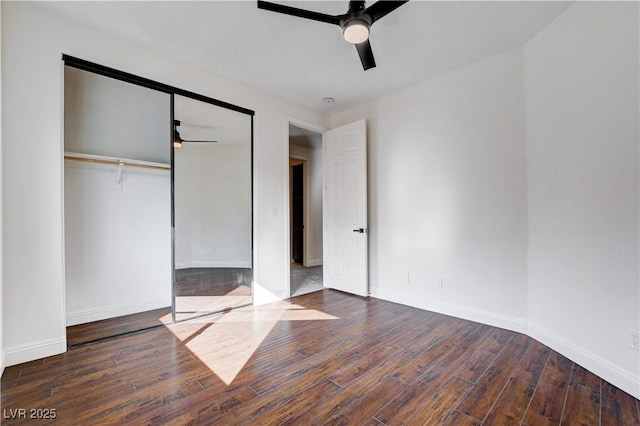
[
  {"x": 97, "y": 314},
  {"x": 518, "y": 325},
  {"x": 37, "y": 350},
  {"x": 314, "y": 262},
  {"x": 214, "y": 264},
  {"x": 625, "y": 380}
]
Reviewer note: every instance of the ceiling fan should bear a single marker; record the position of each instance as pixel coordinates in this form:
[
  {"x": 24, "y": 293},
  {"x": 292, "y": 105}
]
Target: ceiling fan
[
  {"x": 355, "y": 24},
  {"x": 177, "y": 139}
]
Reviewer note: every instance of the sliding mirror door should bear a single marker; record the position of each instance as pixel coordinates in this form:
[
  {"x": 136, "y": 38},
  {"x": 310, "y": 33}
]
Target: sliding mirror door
[{"x": 212, "y": 204}]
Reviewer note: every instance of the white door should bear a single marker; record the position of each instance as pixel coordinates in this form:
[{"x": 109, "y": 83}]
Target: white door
[{"x": 345, "y": 252}]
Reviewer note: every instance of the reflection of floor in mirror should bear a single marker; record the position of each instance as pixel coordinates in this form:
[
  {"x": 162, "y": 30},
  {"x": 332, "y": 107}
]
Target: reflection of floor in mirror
[
  {"x": 211, "y": 281},
  {"x": 96, "y": 330},
  {"x": 188, "y": 306},
  {"x": 305, "y": 280},
  {"x": 198, "y": 291},
  {"x": 203, "y": 290}
]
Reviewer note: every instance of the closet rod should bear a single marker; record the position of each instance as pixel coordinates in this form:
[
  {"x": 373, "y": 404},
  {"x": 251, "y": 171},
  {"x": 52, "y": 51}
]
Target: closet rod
[{"x": 115, "y": 162}]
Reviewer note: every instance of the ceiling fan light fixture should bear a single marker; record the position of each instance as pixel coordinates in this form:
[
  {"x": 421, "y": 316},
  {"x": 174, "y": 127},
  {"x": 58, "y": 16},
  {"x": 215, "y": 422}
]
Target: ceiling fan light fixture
[{"x": 356, "y": 31}]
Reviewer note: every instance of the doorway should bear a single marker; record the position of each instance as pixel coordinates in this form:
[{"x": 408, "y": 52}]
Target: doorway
[
  {"x": 305, "y": 211},
  {"x": 297, "y": 211}
]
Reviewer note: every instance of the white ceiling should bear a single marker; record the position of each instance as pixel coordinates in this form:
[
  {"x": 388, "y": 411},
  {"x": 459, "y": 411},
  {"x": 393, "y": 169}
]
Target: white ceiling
[
  {"x": 306, "y": 61},
  {"x": 203, "y": 121}
]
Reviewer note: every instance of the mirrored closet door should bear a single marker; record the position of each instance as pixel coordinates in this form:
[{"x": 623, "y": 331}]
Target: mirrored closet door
[
  {"x": 212, "y": 201},
  {"x": 157, "y": 203}
]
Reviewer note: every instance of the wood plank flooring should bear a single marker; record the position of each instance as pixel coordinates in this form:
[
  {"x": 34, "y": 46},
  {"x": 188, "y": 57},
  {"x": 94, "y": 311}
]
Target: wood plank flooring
[
  {"x": 198, "y": 291},
  {"x": 211, "y": 281},
  {"x": 322, "y": 358},
  {"x": 95, "y": 330}
]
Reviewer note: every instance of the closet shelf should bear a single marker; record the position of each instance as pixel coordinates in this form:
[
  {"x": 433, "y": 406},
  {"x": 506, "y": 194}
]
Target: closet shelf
[{"x": 101, "y": 159}]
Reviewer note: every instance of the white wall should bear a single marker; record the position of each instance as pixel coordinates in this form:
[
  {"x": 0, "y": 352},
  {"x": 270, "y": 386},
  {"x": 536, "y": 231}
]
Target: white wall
[
  {"x": 1, "y": 221},
  {"x": 105, "y": 116},
  {"x": 118, "y": 242},
  {"x": 313, "y": 205},
  {"x": 447, "y": 192},
  {"x": 582, "y": 162},
  {"x": 33, "y": 41},
  {"x": 213, "y": 205}
]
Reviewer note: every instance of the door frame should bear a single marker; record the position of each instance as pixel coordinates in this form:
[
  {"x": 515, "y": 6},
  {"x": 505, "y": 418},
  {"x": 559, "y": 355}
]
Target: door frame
[{"x": 287, "y": 195}]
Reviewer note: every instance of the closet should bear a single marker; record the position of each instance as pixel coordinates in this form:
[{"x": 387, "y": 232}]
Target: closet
[
  {"x": 117, "y": 204},
  {"x": 158, "y": 203}
]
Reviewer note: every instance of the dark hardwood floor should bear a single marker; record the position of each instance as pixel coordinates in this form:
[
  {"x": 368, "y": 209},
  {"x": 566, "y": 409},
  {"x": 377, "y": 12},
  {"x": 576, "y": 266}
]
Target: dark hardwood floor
[
  {"x": 198, "y": 291},
  {"x": 202, "y": 290},
  {"x": 211, "y": 281},
  {"x": 95, "y": 330},
  {"x": 324, "y": 358}
]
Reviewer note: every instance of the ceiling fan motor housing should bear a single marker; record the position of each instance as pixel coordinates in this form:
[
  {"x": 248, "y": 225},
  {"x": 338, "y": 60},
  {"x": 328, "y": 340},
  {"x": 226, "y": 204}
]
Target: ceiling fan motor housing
[
  {"x": 356, "y": 23},
  {"x": 355, "y": 27}
]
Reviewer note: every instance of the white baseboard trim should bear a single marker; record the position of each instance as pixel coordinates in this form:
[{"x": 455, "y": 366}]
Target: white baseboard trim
[
  {"x": 625, "y": 380},
  {"x": 36, "y": 350},
  {"x": 314, "y": 262},
  {"x": 214, "y": 264},
  {"x": 97, "y": 314},
  {"x": 518, "y": 325}
]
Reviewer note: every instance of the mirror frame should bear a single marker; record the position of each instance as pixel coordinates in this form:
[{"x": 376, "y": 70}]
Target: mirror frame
[{"x": 172, "y": 91}]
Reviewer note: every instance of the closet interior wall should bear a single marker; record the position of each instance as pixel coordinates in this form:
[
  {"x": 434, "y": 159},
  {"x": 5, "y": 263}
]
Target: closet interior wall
[{"x": 117, "y": 197}]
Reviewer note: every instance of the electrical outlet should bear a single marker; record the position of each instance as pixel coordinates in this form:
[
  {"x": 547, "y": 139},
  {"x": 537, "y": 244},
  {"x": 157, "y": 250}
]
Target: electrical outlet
[
  {"x": 439, "y": 282},
  {"x": 405, "y": 277},
  {"x": 634, "y": 339}
]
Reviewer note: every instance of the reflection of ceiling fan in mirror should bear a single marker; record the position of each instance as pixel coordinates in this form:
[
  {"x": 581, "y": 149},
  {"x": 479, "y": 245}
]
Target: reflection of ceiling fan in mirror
[{"x": 178, "y": 141}]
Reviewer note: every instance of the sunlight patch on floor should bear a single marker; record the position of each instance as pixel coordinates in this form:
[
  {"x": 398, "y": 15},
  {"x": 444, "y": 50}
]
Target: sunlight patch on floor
[
  {"x": 225, "y": 342},
  {"x": 188, "y": 306},
  {"x": 166, "y": 319}
]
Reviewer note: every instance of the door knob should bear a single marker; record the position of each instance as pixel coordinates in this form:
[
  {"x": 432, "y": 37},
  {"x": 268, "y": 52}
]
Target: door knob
[{"x": 360, "y": 230}]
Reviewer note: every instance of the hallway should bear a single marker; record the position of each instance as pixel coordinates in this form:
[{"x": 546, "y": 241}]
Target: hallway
[{"x": 305, "y": 280}]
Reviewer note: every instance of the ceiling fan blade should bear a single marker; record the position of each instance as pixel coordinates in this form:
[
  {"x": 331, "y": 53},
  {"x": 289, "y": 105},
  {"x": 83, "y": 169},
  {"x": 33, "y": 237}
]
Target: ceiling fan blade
[
  {"x": 294, "y": 11},
  {"x": 197, "y": 126},
  {"x": 366, "y": 55},
  {"x": 381, "y": 8}
]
